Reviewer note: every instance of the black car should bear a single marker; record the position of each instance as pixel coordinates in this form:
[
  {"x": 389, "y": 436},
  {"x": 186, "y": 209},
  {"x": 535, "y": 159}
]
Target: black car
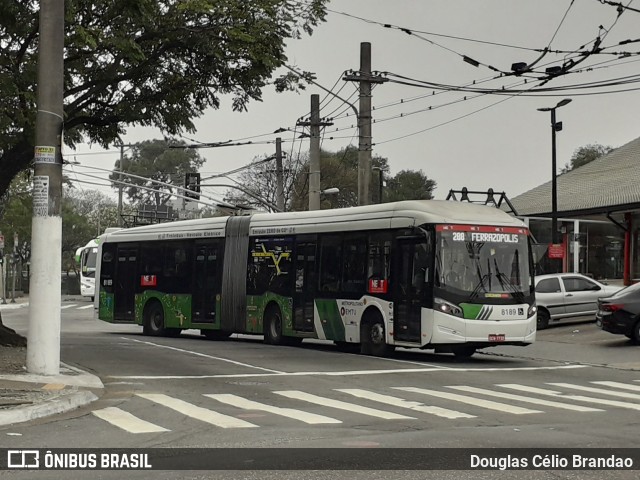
[{"x": 620, "y": 313}]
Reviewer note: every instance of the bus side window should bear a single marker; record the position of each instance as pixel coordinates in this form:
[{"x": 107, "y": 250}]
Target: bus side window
[
  {"x": 354, "y": 264},
  {"x": 330, "y": 263},
  {"x": 378, "y": 263}
]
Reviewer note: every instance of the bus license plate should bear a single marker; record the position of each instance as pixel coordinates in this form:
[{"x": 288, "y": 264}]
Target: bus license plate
[{"x": 496, "y": 337}]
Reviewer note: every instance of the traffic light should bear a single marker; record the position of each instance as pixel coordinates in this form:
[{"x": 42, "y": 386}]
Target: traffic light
[{"x": 192, "y": 182}]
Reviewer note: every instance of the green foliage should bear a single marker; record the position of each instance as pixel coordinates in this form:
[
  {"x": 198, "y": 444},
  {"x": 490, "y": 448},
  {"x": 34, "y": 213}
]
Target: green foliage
[
  {"x": 409, "y": 185},
  {"x": 586, "y": 154},
  {"x": 142, "y": 62},
  {"x": 85, "y": 215},
  {"x": 155, "y": 160}
]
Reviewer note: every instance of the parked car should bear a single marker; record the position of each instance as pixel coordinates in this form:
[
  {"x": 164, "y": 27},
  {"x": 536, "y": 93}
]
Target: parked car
[
  {"x": 620, "y": 313},
  {"x": 568, "y": 295}
]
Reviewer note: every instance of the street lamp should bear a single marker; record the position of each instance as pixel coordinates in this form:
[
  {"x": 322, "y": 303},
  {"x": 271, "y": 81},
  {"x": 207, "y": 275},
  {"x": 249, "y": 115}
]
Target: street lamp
[{"x": 555, "y": 127}]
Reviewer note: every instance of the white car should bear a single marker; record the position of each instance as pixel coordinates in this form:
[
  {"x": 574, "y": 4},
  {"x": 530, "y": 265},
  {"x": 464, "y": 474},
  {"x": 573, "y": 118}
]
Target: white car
[{"x": 568, "y": 295}]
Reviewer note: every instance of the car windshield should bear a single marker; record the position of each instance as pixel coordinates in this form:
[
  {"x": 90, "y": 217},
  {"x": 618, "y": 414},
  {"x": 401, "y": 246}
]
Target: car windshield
[{"x": 478, "y": 262}]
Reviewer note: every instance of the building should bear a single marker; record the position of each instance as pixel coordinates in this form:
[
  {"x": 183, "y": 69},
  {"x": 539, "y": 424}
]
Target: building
[{"x": 598, "y": 217}]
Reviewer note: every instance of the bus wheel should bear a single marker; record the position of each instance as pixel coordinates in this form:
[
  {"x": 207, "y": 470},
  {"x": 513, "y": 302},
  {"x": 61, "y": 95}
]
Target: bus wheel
[
  {"x": 463, "y": 351},
  {"x": 273, "y": 326},
  {"x": 373, "y": 338},
  {"x": 154, "y": 320}
]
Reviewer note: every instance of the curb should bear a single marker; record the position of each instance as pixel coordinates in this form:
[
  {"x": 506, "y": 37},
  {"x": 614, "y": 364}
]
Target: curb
[
  {"x": 67, "y": 403},
  {"x": 76, "y": 378}
]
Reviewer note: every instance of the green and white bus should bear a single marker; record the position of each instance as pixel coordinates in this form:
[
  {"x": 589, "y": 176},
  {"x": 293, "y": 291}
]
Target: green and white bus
[{"x": 443, "y": 275}]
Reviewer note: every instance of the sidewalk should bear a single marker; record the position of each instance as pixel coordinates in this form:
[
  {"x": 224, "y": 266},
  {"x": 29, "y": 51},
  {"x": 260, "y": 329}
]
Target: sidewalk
[{"x": 25, "y": 396}]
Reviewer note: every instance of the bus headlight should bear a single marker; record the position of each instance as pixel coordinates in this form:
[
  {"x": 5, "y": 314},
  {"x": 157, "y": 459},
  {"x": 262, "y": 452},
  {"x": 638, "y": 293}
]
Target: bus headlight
[
  {"x": 532, "y": 310},
  {"x": 447, "y": 307}
]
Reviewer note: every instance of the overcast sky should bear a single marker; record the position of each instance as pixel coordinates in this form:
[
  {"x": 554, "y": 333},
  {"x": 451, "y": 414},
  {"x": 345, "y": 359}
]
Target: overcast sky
[{"x": 485, "y": 141}]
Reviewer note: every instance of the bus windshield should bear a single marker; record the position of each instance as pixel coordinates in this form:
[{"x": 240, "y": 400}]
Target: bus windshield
[
  {"x": 480, "y": 264},
  {"x": 88, "y": 261}
]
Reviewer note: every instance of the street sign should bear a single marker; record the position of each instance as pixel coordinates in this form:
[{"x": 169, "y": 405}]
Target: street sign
[{"x": 556, "y": 250}]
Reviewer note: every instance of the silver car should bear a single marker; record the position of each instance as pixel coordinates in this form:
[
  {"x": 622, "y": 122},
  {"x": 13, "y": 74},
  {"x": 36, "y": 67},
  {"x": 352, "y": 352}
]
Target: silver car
[{"x": 568, "y": 295}]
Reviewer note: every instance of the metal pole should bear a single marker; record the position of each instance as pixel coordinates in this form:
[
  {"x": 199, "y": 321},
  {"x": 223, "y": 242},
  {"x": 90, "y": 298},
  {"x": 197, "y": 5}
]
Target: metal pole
[
  {"x": 43, "y": 347},
  {"x": 554, "y": 186},
  {"x": 314, "y": 154}
]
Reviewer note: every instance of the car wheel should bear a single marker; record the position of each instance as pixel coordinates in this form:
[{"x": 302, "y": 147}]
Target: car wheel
[
  {"x": 636, "y": 332},
  {"x": 543, "y": 319}
]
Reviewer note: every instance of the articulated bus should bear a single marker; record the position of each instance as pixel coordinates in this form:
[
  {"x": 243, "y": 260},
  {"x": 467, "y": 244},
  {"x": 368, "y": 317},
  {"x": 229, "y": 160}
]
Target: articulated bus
[{"x": 443, "y": 275}]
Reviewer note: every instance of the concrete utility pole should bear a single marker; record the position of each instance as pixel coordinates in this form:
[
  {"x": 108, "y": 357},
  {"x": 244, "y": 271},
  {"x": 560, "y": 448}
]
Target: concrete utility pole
[
  {"x": 120, "y": 186},
  {"x": 279, "y": 176},
  {"x": 365, "y": 143},
  {"x": 314, "y": 152},
  {"x": 43, "y": 348}
]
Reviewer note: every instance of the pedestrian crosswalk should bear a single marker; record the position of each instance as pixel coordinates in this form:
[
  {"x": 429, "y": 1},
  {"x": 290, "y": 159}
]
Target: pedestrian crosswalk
[{"x": 402, "y": 404}]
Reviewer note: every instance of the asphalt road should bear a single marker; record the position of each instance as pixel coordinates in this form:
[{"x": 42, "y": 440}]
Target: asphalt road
[{"x": 575, "y": 387}]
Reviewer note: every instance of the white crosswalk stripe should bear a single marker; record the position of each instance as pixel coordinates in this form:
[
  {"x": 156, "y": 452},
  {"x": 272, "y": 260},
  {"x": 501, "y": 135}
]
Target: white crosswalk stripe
[
  {"x": 402, "y": 403},
  {"x": 350, "y": 407},
  {"x": 521, "y": 398},
  {"x": 199, "y": 413},
  {"x": 624, "y": 386},
  {"x": 62, "y": 307},
  {"x": 126, "y": 421},
  {"x": 85, "y": 307},
  {"x": 578, "y": 398},
  {"x": 240, "y": 402},
  {"x": 501, "y": 407},
  {"x": 601, "y": 391}
]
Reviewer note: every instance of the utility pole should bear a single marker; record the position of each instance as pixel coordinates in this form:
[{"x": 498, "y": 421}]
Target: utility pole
[
  {"x": 43, "y": 347},
  {"x": 365, "y": 143},
  {"x": 279, "y": 176},
  {"x": 120, "y": 186},
  {"x": 314, "y": 152}
]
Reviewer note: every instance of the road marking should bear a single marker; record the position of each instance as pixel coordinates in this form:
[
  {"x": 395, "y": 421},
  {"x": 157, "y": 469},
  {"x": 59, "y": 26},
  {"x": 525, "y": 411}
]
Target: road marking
[
  {"x": 602, "y": 391},
  {"x": 579, "y": 398},
  {"x": 624, "y": 386},
  {"x": 350, "y": 407},
  {"x": 535, "y": 401},
  {"x": 198, "y": 354},
  {"x": 67, "y": 306},
  {"x": 328, "y": 374},
  {"x": 193, "y": 411},
  {"x": 477, "y": 402},
  {"x": 402, "y": 403},
  {"x": 240, "y": 402},
  {"x": 85, "y": 307},
  {"x": 126, "y": 421}
]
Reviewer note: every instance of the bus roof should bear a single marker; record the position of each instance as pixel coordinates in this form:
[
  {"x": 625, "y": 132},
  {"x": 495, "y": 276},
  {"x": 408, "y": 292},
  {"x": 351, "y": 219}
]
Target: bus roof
[{"x": 387, "y": 215}]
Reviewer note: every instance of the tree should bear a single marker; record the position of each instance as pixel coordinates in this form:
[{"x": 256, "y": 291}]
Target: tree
[
  {"x": 586, "y": 154},
  {"x": 259, "y": 181},
  {"x": 154, "y": 160},
  {"x": 409, "y": 185},
  {"x": 149, "y": 63},
  {"x": 337, "y": 170}
]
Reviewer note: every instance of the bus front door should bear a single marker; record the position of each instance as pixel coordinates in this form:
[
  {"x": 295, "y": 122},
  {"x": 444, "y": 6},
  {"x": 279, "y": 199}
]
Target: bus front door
[
  {"x": 206, "y": 284},
  {"x": 411, "y": 264},
  {"x": 305, "y": 287},
  {"x": 126, "y": 283}
]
